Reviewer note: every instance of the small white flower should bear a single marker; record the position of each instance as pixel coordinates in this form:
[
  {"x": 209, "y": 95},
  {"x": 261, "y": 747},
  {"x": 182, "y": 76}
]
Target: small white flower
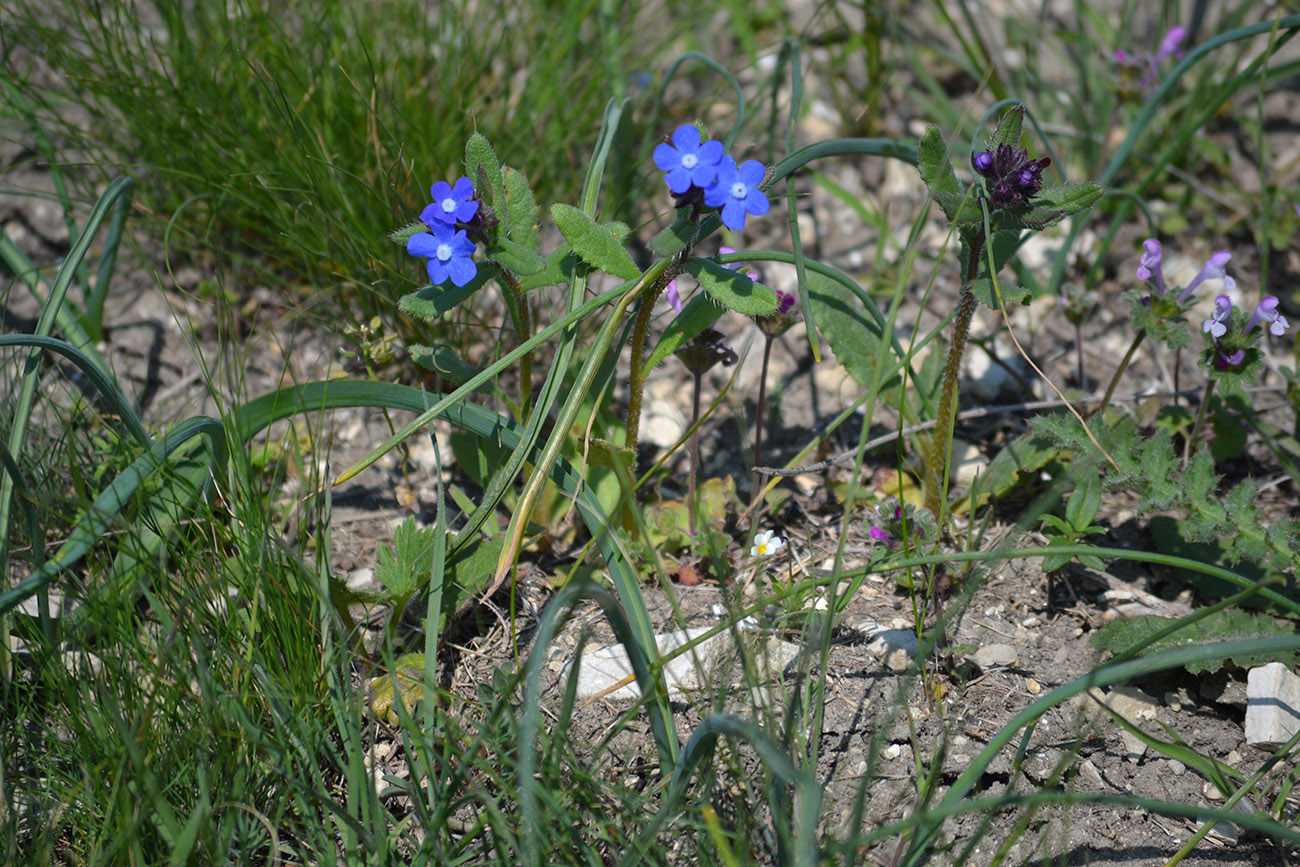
[{"x": 766, "y": 543}]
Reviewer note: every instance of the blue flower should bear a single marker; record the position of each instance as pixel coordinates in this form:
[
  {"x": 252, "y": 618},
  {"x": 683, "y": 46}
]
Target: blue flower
[
  {"x": 448, "y": 252},
  {"x": 687, "y": 161},
  {"x": 736, "y": 192},
  {"x": 450, "y": 204}
]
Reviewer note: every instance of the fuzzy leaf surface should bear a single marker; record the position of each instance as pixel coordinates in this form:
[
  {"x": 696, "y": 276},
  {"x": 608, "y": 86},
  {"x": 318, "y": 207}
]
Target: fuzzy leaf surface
[
  {"x": 594, "y": 243},
  {"x": 732, "y": 289}
]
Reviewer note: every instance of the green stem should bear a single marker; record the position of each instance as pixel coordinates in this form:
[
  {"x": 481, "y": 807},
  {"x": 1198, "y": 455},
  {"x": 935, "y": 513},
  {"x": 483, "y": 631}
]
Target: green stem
[
  {"x": 936, "y": 465},
  {"x": 637, "y": 373},
  {"x": 695, "y": 452},
  {"x": 1196, "y": 428},
  {"x": 1114, "y": 380},
  {"x": 758, "y": 420}
]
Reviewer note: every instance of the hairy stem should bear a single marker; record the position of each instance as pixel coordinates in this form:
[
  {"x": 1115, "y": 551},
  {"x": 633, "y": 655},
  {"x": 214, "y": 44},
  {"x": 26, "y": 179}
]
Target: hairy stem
[
  {"x": 1196, "y": 428},
  {"x": 936, "y": 464},
  {"x": 695, "y": 452},
  {"x": 523, "y": 321},
  {"x": 637, "y": 373},
  {"x": 1114, "y": 380},
  {"x": 758, "y": 420}
]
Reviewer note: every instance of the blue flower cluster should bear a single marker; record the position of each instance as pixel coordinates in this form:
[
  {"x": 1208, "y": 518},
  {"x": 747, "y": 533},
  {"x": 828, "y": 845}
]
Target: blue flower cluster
[
  {"x": 698, "y": 169},
  {"x": 449, "y": 250}
]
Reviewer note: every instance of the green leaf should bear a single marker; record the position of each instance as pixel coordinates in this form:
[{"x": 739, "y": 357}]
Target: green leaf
[
  {"x": 1230, "y": 624},
  {"x": 673, "y": 239},
  {"x": 1054, "y": 204},
  {"x": 480, "y": 155},
  {"x": 403, "y": 568},
  {"x": 854, "y": 337},
  {"x": 1010, "y": 292},
  {"x": 432, "y": 302},
  {"x": 733, "y": 289},
  {"x": 559, "y": 268},
  {"x": 521, "y": 212},
  {"x": 936, "y": 171},
  {"x": 1028, "y": 453},
  {"x": 1084, "y": 502},
  {"x": 516, "y": 258},
  {"x": 1009, "y": 128},
  {"x": 698, "y": 314},
  {"x": 594, "y": 243}
]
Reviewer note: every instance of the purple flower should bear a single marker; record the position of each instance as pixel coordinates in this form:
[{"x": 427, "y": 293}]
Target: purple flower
[
  {"x": 1214, "y": 268},
  {"x": 1232, "y": 359},
  {"x": 673, "y": 297},
  {"x": 1217, "y": 325},
  {"x": 1149, "y": 265},
  {"x": 736, "y": 192},
  {"x": 448, "y": 252},
  {"x": 451, "y": 204},
  {"x": 784, "y": 303},
  {"x": 1267, "y": 312},
  {"x": 1013, "y": 178},
  {"x": 688, "y": 162},
  {"x": 1169, "y": 46}
]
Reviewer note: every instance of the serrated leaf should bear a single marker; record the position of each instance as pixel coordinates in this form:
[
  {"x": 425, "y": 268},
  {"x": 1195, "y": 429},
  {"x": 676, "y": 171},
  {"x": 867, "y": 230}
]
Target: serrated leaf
[
  {"x": 403, "y": 568},
  {"x": 732, "y": 289},
  {"x": 594, "y": 243},
  {"x": 431, "y": 302},
  {"x": 405, "y": 684},
  {"x": 982, "y": 289},
  {"x": 1054, "y": 204},
  {"x": 516, "y": 258},
  {"x": 490, "y": 187},
  {"x": 1229, "y": 624},
  {"x": 959, "y": 208},
  {"x": 698, "y": 314},
  {"x": 936, "y": 171},
  {"x": 1009, "y": 128},
  {"x": 521, "y": 211}
]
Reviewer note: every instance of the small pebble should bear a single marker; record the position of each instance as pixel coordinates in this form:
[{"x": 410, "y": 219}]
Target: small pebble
[
  {"x": 1177, "y": 768},
  {"x": 892, "y": 751},
  {"x": 1030, "y": 622}
]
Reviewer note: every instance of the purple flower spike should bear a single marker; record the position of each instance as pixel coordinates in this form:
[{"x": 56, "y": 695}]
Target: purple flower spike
[
  {"x": 1217, "y": 325},
  {"x": 1215, "y": 268},
  {"x": 688, "y": 162},
  {"x": 1149, "y": 265},
  {"x": 451, "y": 204},
  {"x": 448, "y": 252},
  {"x": 736, "y": 192},
  {"x": 1267, "y": 312}
]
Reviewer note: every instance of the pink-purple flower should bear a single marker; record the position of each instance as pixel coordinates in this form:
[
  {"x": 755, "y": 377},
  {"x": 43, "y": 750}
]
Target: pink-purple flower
[
  {"x": 1217, "y": 325},
  {"x": 1266, "y": 313}
]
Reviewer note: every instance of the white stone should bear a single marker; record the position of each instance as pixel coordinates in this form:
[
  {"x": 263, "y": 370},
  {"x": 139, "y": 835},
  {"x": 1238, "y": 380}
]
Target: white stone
[
  {"x": 995, "y": 654},
  {"x": 1272, "y": 706}
]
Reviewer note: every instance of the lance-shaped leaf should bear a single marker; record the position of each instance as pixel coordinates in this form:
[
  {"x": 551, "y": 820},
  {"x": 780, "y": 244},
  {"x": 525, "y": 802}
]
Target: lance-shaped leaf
[
  {"x": 432, "y": 301},
  {"x": 698, "y": 314},
  {"x": 484, "y": 169},
  {"x": 595, "y": 244},
  {"x": 520, "y": 218},
  {"x": 1009, "y": 128},
  {"x": 673, "y": 239},
  {"x": 1054, "y": 204},
  {"x": 732, "y": 289},
  {"x": 936, "y": 171},
  {"x": 559, "y": 268},
  {"x": 516, "y": 258}
]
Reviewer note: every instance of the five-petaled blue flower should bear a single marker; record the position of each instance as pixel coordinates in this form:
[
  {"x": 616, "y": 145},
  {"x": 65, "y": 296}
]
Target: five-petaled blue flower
[
  {"x": 687, "y": 161},
  {"x": 736, "y": 192},
  {"x": 448, "y": 252},
  {"x": 450, "y": 204}
]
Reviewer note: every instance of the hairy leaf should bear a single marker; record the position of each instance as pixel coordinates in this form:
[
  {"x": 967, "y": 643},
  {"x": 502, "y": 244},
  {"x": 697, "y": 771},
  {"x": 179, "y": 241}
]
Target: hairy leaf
[
  {"x": 732, "y": 289},
  {"x": 520, "y": 221},
  {"x": 595, "y": 244},
  {"x": 1230, "y": 624}
]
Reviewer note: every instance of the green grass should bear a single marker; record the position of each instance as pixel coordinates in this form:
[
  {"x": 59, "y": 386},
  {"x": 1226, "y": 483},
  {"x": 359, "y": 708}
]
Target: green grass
[{"x": 206, "y": 702}]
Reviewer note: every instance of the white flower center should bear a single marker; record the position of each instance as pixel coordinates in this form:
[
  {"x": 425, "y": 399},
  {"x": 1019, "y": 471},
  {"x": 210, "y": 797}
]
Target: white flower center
[
  {"x": 689, "y": 161},
  {"x": 739, "y": 190},
  {"x": 449, "y": 205},
  {"x": 444, "y": 252}
]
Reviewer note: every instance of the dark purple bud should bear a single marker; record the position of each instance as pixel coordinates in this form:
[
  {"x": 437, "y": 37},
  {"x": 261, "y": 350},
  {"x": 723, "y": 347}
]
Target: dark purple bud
[{"x": 982, "y": 162}]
